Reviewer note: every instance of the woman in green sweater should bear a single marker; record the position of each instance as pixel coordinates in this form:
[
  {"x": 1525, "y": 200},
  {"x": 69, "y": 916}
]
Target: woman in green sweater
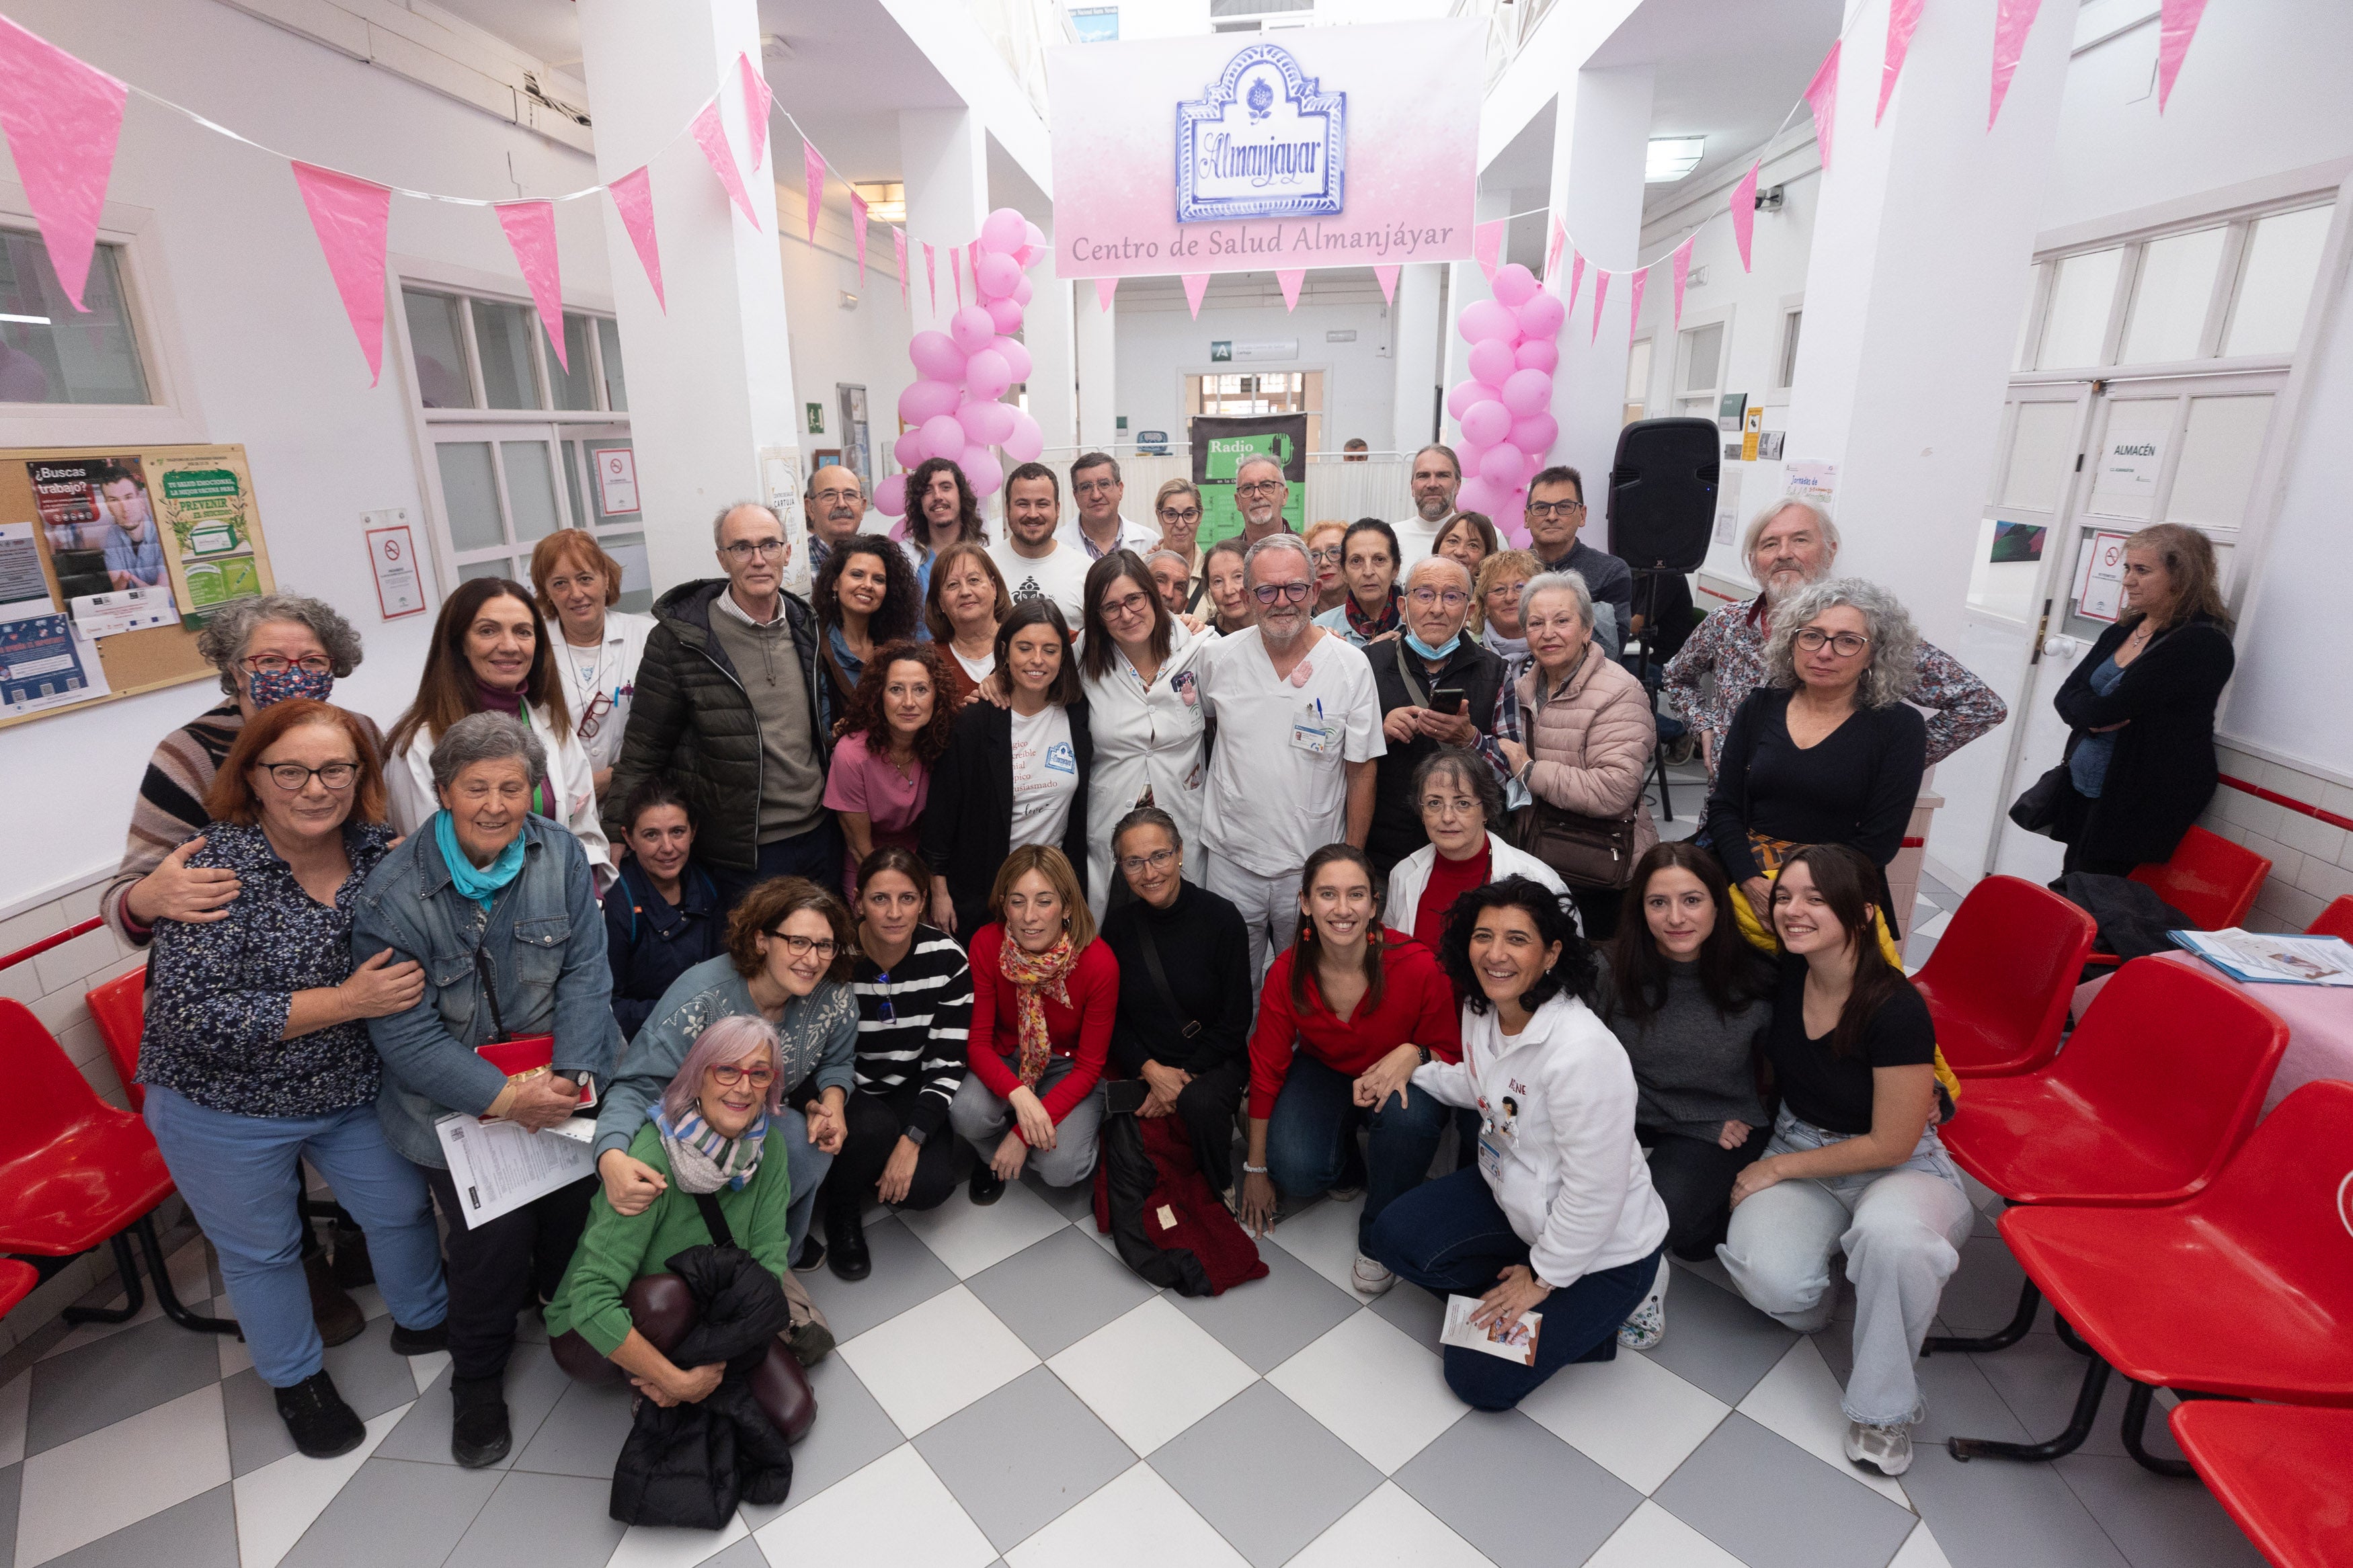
[{"x": 706, "y": 1136}]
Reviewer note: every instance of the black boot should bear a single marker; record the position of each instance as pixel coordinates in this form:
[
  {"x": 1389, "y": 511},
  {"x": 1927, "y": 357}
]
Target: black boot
[
  {"x": 811, "y": 1257},
  {"x": 478, "y": 1435},
  {"x": 845, "y": 1242},
  {"x": 420, "y": 1341},
  {"x": 318, "y": 1420},
  {"x": 353, "y": 1267},
  {"x": 987, "y": 1187}
]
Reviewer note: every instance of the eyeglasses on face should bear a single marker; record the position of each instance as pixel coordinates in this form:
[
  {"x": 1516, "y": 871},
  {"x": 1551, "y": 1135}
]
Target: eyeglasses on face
[
  {"x": 1453, "y": 598},
  {"x": 271, "y": 664},
  {"x": 1259, "y": 487},
  {"x": 1159, "y": 859},
  {"x": 1268, "y": 593},
  {"x": 1094, "y": 487},
  {"x": 1555, "y": 508},
  {"x": 1327, "y": 557},
  {"x": 292, "y": 777},
  {"x": 1846, "y": 644},
  {"x": 838, "y": 498},
  {"x": 1448, "y": 805},
  {"x": 1180, "y": 515},
  {"x": 1128, "y": 604},
  {"x": 730, "y": 1076},
  {"x": 802, "y": 946},
  {"x": 745, "y": 549}
]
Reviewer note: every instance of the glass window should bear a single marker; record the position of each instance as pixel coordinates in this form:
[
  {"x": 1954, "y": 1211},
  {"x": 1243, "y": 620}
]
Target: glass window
[
  {"x": 2131, "y": 457},
  {"x": 572, "y": 482},
  {"x": 2220, "y": 449},
  {"x": 608, "y": 343},
  {"x": 436, "y": 342},
  {"x": 44, "y": 360},
  {"x": 2276, "y": 281},
  {"x": 2042, "y": 454},
  {"x": 502, "y": 336},
  {"x": 2170, "y": 297},
  {"x": 575, "y": 387},
  {"x": 2018, "y": 360},
  {"x": 1790, "y": 325},
  {"x": 530, "y": 489},
  {"x": 636, "y": 576},
  {"x": 1703, "y": 347},
  {"x": 470, "y": 491},
  {"x": 498, "y": 566},
  {"x": 1638, "y": 380},
  {"x": 594, "y": 448},
  {"x": 2081, "y": 295}
]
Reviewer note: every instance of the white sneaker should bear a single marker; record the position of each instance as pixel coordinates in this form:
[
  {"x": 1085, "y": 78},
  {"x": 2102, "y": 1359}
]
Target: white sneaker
[
  {"x": 1887, "y": 1447},
  {"x": 1646, "y": 1327},
  {"x": 1370, "y": 1277}
]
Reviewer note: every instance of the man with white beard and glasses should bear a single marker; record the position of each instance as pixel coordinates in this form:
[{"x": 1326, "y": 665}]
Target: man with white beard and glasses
[
  {"x": 1437, "y": 474},
  {"x": 1260, "y": 492},
  {"x": 835, "y": 504}
]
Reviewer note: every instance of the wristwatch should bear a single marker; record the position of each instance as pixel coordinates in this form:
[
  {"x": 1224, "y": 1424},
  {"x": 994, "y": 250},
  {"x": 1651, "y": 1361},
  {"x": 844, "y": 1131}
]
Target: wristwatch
[{"x": 1425, "y": 1054}]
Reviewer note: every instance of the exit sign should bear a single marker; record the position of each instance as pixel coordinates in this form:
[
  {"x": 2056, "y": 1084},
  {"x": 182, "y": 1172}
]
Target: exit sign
[{"x": 816, "y": 419}]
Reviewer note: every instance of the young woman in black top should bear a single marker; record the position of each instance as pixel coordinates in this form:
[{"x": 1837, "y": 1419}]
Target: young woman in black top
[
  {"x": 1854, "y": 1163},
  {"x": 662, "y": 917}
]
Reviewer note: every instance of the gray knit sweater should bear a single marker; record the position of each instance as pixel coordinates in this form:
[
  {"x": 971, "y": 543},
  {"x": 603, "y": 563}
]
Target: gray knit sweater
[{"x": 1693, "y": 1067}]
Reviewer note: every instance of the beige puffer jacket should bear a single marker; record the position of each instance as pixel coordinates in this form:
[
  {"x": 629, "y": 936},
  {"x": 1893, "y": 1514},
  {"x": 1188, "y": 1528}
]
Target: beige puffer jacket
[{"x": 1591, "y": 742}]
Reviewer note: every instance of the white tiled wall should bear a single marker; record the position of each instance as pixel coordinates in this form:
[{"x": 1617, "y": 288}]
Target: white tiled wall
[{"x": 2312, "y": 861}]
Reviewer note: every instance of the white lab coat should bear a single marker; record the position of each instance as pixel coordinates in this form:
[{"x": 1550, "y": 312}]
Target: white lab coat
[
  {"x": 571, "y": 788},
  {"x": 1410, "y": 876},
  {"x": 1144, "y": 739},
  {"x": 1561, "y": 1159}
]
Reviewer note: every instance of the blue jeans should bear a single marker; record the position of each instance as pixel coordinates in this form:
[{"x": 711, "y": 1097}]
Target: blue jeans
[
  {"x": 241, "y": 1175},
  {"x": 1312, "y": 1132},
  {"x": 806, "y": 1165},
  {"x": 1451, "y": 1237}
]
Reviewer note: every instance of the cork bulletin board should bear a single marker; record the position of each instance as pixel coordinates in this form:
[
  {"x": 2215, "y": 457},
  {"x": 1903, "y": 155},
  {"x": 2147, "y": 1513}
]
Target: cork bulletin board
[{"x": 111, "y": 561}]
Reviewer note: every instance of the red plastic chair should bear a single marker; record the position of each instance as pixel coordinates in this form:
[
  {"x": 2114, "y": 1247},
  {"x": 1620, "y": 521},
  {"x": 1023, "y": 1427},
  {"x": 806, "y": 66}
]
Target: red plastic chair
[
  {"x": 76, "y": 1172},
  {"x": 2208, "y": 879},
  {"x": 2244, "y": 1291},
  {"x": 2337, "y": 920},
  {"x": 1999, "y": 981},
  {"x": 2280, "y": 1471},
  {"x": 16, "y": 1281},
  {"x": 120, "y": 1006}
]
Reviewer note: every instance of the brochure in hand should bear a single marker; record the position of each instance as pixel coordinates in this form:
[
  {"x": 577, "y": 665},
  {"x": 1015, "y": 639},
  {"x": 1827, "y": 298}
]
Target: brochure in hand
[{"x": 1516, "y": 1342}]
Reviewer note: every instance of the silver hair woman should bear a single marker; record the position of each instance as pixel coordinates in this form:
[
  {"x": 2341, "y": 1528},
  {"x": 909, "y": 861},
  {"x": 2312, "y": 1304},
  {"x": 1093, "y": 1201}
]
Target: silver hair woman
[
  {"x": 226, "y": 642},
  {"x": 487, "y": 738},
  {"x": 1891, "y": 661}
]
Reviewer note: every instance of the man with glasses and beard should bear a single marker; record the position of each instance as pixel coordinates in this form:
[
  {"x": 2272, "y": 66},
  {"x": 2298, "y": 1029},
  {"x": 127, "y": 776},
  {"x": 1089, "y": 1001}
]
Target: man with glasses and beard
[
  {"x": 1302, "y": 722},
  {"x": 1259, "y": 493},
  {"x": 1437, "y": 474}
]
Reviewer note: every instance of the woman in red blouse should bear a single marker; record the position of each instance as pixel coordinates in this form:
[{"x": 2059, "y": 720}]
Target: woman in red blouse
[
  {"x": 1044, "y": 993},
  {"x": 1347, "y": 1013}
]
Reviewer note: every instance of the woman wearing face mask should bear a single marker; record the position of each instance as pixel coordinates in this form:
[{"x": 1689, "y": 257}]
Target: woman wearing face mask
[
  {"x": 1374, "y": 608},
  {"x": 914, "y": 1008},
  {"x": 1145, "y": 712},
  {"x": 577, "y": 585},
  {"x": 963, "y": 605},
  {"x": 866, "y": 598},
  {"x": 894, "y": 732},
  {"x": 662, "y": 917},
  {"x": 1228, "y": 586},
  {"x": 490, "y": 654}
]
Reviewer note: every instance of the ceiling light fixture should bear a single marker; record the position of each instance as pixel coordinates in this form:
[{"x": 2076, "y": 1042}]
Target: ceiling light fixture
[
  {"x": 884, "y": 202},
  {"x": 1671, "y": 158}
]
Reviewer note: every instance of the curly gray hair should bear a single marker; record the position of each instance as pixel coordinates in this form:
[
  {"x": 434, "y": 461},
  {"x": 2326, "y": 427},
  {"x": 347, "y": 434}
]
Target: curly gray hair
[
  {"x": 226, "y": 633},
  {"x": 1894, "y": 640},
  {"x": 486, "y": 738}
]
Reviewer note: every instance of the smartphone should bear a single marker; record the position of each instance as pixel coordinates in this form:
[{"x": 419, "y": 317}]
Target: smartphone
[
  {"x": 1125, "y": 1095},
  {"x": 1450, "y": 700}
]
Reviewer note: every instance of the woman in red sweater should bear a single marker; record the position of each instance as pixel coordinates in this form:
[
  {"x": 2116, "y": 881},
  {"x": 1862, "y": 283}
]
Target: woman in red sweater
[
  {"x": 1044, "y": 993},
  {"x": 1347, "y": 1013}
]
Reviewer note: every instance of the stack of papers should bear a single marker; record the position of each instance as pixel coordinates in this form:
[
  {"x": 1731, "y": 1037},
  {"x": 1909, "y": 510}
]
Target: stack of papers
[{"x": 2267, "y": 958}]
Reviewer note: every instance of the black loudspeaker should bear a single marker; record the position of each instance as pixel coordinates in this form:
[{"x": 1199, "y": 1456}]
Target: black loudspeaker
[{"x": 1663, "y": 493}]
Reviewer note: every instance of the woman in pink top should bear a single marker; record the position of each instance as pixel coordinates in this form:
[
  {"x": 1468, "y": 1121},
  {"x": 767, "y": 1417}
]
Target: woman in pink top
[{"x": 895, "y": 729}]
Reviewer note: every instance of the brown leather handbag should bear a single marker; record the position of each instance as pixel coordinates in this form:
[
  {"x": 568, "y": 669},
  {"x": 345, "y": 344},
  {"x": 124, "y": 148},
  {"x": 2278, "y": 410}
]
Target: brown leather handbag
[{"x": 1585, "y": 851}]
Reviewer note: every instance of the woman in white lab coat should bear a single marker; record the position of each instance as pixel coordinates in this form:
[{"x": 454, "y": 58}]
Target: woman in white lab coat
[
  {"x": 1557, "y": 1219},
  {"x": 1143, "y": 708}
]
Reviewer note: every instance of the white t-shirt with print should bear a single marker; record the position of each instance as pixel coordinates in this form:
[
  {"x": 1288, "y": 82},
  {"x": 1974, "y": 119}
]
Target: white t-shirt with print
[
  {"x": 1060, "y": 574},
  {"x": 1045, "y": 776},
  {"x": 1277, "y": 786}
]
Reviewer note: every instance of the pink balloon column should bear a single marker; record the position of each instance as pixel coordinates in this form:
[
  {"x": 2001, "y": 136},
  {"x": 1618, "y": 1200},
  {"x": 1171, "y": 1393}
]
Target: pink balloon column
[
  {"x": 1504, "y": 409},
  {"x": 954, "y": 408}
]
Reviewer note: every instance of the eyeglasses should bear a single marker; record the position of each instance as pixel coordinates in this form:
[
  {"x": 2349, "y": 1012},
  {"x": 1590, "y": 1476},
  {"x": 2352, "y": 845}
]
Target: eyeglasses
[
  {"x": 1555, "y": 508},
  {"x": 802, "y": 946},
  {"x": 1268, "y": 593},
  {"x": 1453, "y": 598},
  {"x": 1259, "y": 487},
  {"x": 1847, "y": 644},
  {"x": 745, "y": 549},
  {"x": 1094, "y": 488},
  {"x": 293, "y": 777},
  {"x": 838, "y": 498},
  {"x": 1132, "y": 605},
  {"x": 271, "y": 664},
  {"x": 1158, "y": 860},
  {"x": 1327, "y": 557},
  {"x": 1507, "y": 590},
  {"x": 593, "y": 719},
  {"x": 1190, "y": 514},
  {"x": 729, "y": 1077},
  {"x": 1448, "y": 805},
  {"x": 884, "y": 1012}
]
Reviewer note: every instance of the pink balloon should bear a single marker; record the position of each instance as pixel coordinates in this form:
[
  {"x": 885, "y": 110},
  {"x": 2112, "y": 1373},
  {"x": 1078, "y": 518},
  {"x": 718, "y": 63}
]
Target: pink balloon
[
  {"x": 1505, "y": 466},
  {"x": 1027, "y": 440},
  {"x": 1485, "y": 422},
  {"x": 1024, "y": 292},
  {"x": 1017, "y": 357},
  {"x": 987, "y": 374},
  {"x": 1535, "y": 434},
  {"x": 1005, "y": 313},
  {"x": 1537, "y": 353},
  {"x": 1468, "y": 453},
  {"x": 1519, "y": 535},
  {"x": 1461, "y": 395},
  {"x": 944, "y": 438},
  {"x": 987, "y": 424},
  {"x": 935, "y": 355},
  {"x": 1514, "y": 285},
  {"x": 1482, "y": 320},
  {"x": 1541, "y": 316},
  {"x": 1490, "y": 364},
  {"x": 1005, "y": 231},
  {"x": 970, "y": 329},
  {"x": 1478, "y": 495},
  {"x": 908, "y": 448},
  {"x": 1033, "y": 236},
  {"x": 981, "y": 467},
  {"x": 1526, "y": 392},
  {"x": 926, "y": 398},
  {"x": 997, "y": 275},
  {"x": 891, "y": 495}
]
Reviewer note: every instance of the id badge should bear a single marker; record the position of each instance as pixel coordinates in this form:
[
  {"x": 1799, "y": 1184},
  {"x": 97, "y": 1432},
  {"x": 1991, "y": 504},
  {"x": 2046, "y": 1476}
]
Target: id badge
[
  {"x": 1491, "y": 1157},
  {"x": 1310, "y": 731}
]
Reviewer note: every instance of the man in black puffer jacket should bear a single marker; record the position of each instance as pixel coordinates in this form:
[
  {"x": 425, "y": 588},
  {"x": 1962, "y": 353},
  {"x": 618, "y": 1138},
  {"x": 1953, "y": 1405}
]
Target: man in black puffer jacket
[{"x": 726, "y": 706}]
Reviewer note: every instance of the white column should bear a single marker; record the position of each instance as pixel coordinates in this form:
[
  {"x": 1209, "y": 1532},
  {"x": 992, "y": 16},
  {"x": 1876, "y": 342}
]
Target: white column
[
  {"x": 712, "y": 410},
  {"x": 1914, "y": 288},
  {"x": 1601, "y": 132},
  {"x": 1418, "y": 353},
  {"x": 1094, "y": 326},
  {"x": 943, "y": 163},
  {"x": 1047, "y": 331}
]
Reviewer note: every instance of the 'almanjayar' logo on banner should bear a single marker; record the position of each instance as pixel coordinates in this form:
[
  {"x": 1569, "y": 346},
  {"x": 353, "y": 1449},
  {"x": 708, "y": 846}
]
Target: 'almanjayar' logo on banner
[{"x": 1262, "y": 140}]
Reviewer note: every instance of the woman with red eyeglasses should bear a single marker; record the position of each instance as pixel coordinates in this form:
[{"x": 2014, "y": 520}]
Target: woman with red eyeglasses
[{"x": 577, "y": 584}]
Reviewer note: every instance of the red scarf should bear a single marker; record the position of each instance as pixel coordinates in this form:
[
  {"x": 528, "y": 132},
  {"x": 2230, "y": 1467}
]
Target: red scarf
[
  {"x": 1036, "y": 975},
  {"x": 1392, "y": 615}
]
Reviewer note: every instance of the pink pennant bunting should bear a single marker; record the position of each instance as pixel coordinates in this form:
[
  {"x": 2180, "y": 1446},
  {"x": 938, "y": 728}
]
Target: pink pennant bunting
[
  {"x": 2176, "y": 24},
  {"x": 899, "y": 249},
  {"x": 1552, "y": 247},
  {"x": 955, "y": 272},
  {"x": 1903, "y": 17},
  {"x": 932, "y": 277},
  {"x": 1576, "y": 278},
  {"x": 1487, "y": 244},
  {"x": 1196, "y": 285},
  {"x": 1290, "y": 279},
  {"x": 531, "y": 235},
  {"x": 62, "y": 118},
  {"x": 1635, "y": 301},
  {"x": 813, "y": 182},
  {"x": 1682, "y": 272},
  {"x": 1821, "y": 95},
  {"x": 2012, "y": 20},
  {"x": 711, "y": 137},
  {"x": 1386, "y": 278},
  {"x": 633, "y": 198},
  {"x": 1105, "y": 288},
  {"x": 351, "y": 218},
  {"x": 756, "y": 99},
  {"x": 1744, "y": 214},
  {"x": 858, "y": 231},
  {"x": 1600, "y": 292}
]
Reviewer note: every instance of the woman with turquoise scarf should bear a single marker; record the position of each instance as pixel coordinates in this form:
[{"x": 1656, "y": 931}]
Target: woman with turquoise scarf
[{"x": 500, "y": 906}]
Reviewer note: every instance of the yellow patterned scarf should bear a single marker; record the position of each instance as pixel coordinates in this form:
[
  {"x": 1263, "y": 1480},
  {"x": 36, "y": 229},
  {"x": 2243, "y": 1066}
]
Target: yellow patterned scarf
[{"x": 1036, "y": 975}]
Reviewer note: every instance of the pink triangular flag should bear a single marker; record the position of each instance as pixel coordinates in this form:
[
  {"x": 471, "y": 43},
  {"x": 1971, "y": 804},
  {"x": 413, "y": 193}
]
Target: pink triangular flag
[
  {"x": 62, "y": 118},
  {"x": 932, "y": 277},
  {"x": 756, "y": 99},
  {"x": 1386, "y": 278},
  {"x": 2176, "y": 25},
  {"x": 1552, "y": 247},
  {"x": 1634, "y": 302},
  {"x": 1682, "y": 272},
  {"x": 1487, "y": 244},
  {"x": 1903, "y": 17},
  {"x": 1576, "y": 279},
  {"x": 1600, "y": 292},
  {"x": 1821, "y": 94},
  {"x": 812, "y": 182},
  {"x": 858, "y": 231},
  {"x": 633, "y": 198},
  {"x": 531, "y": 235},
  {"x": 955, "y": 272},
  {"x": 351, "y": 218},
  {"x": 899, "y": 249},
  {"x": 1744, "y": 213},
  {"x": 2012, "y": 19},
  {"x": 1105, "y": 288},
  {"x": 1290, "y": 279},
  {"x": 1196, "y": 285},
  {"x": 711, "y": 137}
]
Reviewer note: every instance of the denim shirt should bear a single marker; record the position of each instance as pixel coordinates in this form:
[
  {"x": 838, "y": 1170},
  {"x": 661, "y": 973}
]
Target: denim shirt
[{"x": 545, "y": 937}]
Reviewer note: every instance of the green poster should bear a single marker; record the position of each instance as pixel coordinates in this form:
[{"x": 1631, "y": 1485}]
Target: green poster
[{"x": 1219, "y": 446}]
